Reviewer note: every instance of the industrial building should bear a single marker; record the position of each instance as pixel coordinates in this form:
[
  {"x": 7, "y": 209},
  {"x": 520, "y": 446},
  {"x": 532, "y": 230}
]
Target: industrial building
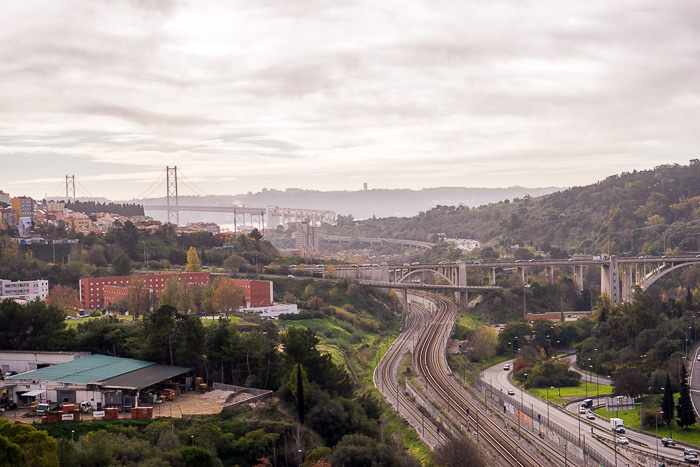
[{"x": 101, "y": 380}]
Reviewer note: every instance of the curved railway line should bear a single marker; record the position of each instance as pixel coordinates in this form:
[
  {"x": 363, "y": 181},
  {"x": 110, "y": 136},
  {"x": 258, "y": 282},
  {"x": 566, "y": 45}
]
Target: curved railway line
[
  {"x": 385, "y": 374},
  {"x": 430, "y": 362}
]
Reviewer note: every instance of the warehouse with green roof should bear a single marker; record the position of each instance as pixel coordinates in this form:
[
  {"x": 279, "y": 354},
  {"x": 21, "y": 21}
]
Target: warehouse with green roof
[{"x": 101, "y": 380}]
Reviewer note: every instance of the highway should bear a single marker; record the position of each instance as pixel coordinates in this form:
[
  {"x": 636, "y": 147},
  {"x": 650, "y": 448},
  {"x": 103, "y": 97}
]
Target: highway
[{"x": 642, "y": 446}]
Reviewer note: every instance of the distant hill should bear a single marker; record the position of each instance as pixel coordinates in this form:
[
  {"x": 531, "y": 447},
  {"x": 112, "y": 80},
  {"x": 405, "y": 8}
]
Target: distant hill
[
  {"x": 638, "y": 213},
  {"x": 359, "y": 204}
]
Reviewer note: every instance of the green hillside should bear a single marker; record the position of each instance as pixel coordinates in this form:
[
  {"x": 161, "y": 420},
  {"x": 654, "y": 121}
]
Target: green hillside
[{"x": 636, "y": 212}]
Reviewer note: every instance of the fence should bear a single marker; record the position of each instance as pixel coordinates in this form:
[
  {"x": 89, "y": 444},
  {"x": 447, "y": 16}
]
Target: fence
[
  {"x": 574, "y": 444},
  {"x": 256, "y": 394}
]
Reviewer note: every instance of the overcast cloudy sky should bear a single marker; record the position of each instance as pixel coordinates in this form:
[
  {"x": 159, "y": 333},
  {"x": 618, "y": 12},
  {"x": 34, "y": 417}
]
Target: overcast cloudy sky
[{"x": 327, "y": 94}]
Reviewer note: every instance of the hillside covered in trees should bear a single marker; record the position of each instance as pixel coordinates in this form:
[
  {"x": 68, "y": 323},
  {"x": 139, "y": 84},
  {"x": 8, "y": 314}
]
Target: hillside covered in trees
[{"x": 643, "y": 212}]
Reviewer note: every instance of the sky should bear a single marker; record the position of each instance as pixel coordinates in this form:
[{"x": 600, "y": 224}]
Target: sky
[{"x": 243, "y": 95}]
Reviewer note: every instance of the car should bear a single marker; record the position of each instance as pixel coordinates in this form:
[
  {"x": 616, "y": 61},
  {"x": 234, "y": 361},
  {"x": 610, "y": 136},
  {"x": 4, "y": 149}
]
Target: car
[
  {"x": 590, "y": 416},
  {"x": 668, "y": 441},
  {"x": 699, "y": 357},
  {"x": 511, "y": 392},
  {"x": 690, "y": 452},
  {"x": 691, "y": 460},
  {"x": 42, "y": 408},
  {"x": 582, "y": 410},
  {"x": 506, "y": 367},
  {"x": 623, "y": 440},
  {"x": 442, "y": 262}
]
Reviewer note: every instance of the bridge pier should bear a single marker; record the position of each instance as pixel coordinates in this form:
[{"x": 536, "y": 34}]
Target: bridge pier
[
  {"x": 550, "y": 274},
  {"x": 610, "y": 279},
  {"x": 462, "y": 299},
  {"x": 626, "y": 276},
  {"x": 578, "y": 277},
  {"x": 521, "y": 273},
  {"x": 492, "y": 276},
  {"x": 405, "y": 300}
]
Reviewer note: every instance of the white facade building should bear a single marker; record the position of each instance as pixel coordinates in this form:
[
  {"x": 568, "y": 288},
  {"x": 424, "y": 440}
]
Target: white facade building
[{"x": 24, "y": 290}]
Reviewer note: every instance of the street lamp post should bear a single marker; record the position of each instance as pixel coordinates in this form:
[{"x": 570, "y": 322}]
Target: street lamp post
[
  {"x": 520, "y": 410},
  {"x": 551, "y": 387},
  {"x": 656, "y": 418}
]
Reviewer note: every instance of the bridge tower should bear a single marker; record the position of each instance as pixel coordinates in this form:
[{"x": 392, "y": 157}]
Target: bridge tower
[
  {"x": 70, "y": 187},
  {"x": 610, "y": 279},
  {"x": 172, "y": 204}
]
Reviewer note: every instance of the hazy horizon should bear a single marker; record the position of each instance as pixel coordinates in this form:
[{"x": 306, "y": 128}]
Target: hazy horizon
[{"x": 321, "y": 95}]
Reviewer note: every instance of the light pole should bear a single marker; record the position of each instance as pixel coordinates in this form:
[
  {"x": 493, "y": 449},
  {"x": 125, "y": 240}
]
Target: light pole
[
  {"x": 551, "y": 387},
  {"x": 656, "y": 418},
  {"x": 597, "y": 388},
  {"x": 520, "y": 410}
]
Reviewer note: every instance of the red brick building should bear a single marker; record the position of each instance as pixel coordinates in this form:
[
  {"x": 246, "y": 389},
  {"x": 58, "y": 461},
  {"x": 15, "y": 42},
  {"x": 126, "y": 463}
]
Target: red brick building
[
  {"x": 257, "y": 293},
  {"x": 99, "y": 292}
]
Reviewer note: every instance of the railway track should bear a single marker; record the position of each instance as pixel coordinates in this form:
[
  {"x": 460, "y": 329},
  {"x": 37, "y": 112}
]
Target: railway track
[
  {"x": 386, "y": 378},
  {"x": 430, "y": 362}
]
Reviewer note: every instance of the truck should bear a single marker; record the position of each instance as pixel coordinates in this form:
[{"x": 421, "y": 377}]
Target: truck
[{"x": 617, "y": 425}]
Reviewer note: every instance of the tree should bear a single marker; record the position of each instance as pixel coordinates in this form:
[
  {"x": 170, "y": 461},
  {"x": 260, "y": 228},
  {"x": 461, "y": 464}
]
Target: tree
[
  {"x": 483, "y": 344},
  {"x": 686, "y": 412},
  {"x": 22, "y": 444},
  {"x": 234, "y": 263},
  {"x": 228, "y": 297},
  {"x": 193, "y": 261},
  {"x": 161, "y": 326},
  {"x": 255, "y": 235},
  {"x": 139, "y": 297},
  {"x": 300, "y": 395},
  {"x": 667, "y": 402},
  {"x": 457, "y": 452},
  {"x": 630, "y": 381},
  {"x": 121, "y": 265},
  {"x": 66, "y": 298}
]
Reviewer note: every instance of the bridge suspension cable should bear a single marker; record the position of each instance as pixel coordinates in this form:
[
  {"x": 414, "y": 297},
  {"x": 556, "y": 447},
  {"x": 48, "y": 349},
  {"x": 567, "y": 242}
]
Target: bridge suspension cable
[
  {"x": 84, "y": 191},
  {"x": 149, "y": 191},
  {"x": 191, "y": 185}
]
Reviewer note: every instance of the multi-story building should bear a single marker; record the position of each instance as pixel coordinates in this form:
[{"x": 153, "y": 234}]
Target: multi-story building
[
  {"x": 257, "y": 293},
  {"x": 8, "y": 218},
  {"x": 306, "y": 237},
  {"x": 24, "y": 290},
  {"x": 79, "y": 221},
  {"x": 99, "y": 292},
  {"x": 5, "y": 198},
  {"x": 23, "y": 207}
]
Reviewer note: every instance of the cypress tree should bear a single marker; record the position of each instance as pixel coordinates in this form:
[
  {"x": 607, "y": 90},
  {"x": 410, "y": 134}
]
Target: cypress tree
[{"x": 686, "y": 413}]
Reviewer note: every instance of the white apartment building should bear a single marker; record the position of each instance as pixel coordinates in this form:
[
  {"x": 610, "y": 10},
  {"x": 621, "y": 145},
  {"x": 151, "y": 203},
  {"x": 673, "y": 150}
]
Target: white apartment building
[{"x": 24, "y": 290}]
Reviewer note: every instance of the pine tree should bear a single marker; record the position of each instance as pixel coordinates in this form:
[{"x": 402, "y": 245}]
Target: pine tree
[
  {"x": 686, "y": 413},
  {"x": 193, "y": 264},
  {"x": 667, "y": 402}
]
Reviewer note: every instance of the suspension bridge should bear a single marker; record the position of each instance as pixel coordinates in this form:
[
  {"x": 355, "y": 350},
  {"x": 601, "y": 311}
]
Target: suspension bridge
[{"x": 242, "y": 215}]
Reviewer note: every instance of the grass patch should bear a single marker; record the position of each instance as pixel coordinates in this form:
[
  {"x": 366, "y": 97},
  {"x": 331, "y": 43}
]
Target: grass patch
[
  {"x": 496, "y": 359},
  {"x": 405, "y": 369},
  {"x": 469, "y": 321},
  {"x": 565, "y": 394}
]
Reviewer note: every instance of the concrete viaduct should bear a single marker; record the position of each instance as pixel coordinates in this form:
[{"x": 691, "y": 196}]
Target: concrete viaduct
[{"x": 618, "y": 274}]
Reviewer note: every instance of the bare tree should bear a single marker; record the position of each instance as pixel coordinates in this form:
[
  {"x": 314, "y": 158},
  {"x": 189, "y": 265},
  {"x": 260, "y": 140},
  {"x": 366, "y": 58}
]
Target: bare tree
[{"x": 458, "y": 452}]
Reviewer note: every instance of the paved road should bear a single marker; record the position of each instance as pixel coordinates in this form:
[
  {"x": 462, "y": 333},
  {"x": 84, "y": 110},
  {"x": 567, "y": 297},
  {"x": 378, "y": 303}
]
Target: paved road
[
  {"x": 572, "y": 421},
  {"x": 592, "y": 378},
  {"x": 695, "y": 378}
]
